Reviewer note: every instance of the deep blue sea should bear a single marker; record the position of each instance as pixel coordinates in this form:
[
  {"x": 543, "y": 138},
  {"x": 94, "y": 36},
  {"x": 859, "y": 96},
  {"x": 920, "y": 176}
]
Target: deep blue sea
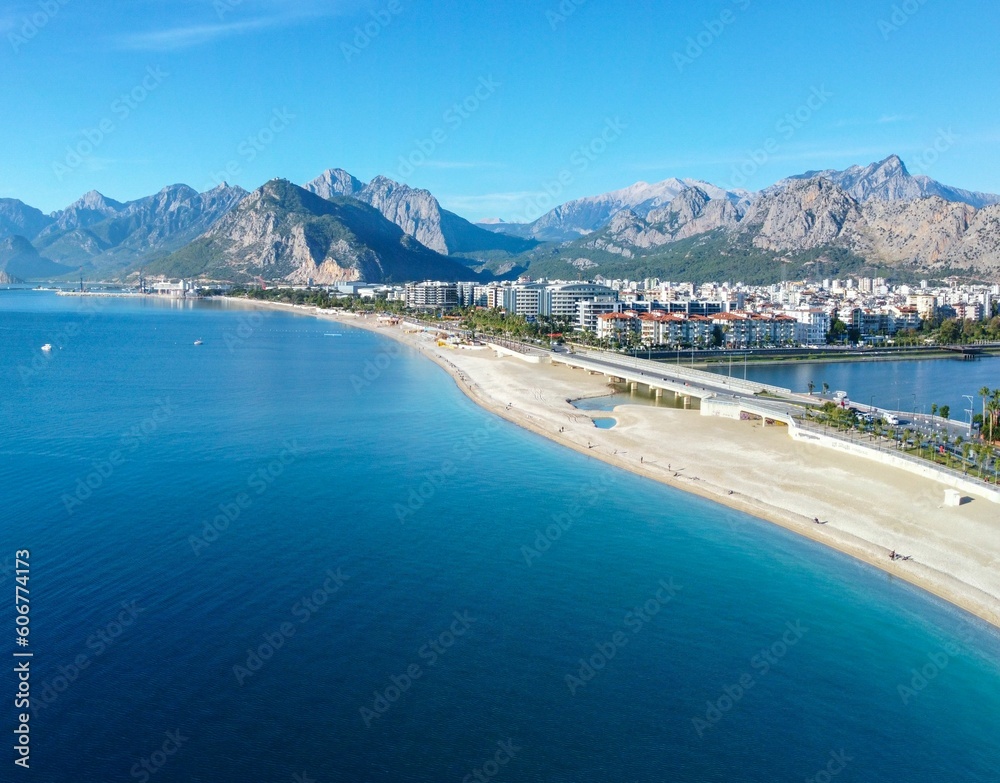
[{"x": 284, "y": 555}]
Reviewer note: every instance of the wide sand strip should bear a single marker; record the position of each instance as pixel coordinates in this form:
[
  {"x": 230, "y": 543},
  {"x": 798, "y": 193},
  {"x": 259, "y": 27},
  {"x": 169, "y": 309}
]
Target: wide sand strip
[{"x": 869, "y": 509}]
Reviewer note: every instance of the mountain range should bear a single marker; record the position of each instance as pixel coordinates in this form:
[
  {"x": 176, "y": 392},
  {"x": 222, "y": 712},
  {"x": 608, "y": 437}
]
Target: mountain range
[
  {"x": 888, "y": 180},
  {"x": 876, "y": 218},
  {"x": 104, "y": 236},
  {"x": 584, "y": 216},
  {"x": 284, "y": 232}
]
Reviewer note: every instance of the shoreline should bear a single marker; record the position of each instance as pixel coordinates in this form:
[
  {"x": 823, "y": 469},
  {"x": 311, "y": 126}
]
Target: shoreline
[{"x": 582, "y": 436}]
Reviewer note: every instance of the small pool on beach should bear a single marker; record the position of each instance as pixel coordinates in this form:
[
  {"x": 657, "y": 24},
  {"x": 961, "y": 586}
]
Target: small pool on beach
[{"x": 605, "y": 423}]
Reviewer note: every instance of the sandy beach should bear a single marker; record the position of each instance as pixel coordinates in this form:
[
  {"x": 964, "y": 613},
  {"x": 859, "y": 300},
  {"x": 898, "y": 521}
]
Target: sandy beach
[{"x": 868, "y": 509}]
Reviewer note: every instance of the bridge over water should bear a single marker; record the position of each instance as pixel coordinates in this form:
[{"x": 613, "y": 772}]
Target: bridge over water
[{"x": 719, "y": 395}]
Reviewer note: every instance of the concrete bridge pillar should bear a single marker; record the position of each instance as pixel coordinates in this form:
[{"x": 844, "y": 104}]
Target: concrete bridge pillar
[{"x": 687, "y": 401}]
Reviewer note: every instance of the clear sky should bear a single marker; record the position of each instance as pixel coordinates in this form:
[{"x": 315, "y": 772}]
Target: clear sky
[{"x": 575, "y": 97}]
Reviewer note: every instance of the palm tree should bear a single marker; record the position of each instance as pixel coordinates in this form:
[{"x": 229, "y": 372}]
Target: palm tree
[
  {"x": 982, "y": 450},
  {"x": 993, "y": 408},
  {"x": 984, "y": 392}
]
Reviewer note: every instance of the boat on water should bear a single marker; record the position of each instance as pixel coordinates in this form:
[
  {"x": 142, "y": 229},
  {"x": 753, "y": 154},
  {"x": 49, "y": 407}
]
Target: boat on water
[
  {"x": 198, "y": 341},
  {"x": 47, "y": 347}
]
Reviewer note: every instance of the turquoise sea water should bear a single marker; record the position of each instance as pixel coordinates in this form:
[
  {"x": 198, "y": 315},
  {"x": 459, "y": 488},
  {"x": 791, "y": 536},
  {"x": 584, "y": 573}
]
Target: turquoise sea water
[{"x": 311, "y": 556}]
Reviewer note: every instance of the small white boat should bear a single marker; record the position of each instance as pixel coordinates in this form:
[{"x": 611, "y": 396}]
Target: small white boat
[
  {"x": 197, "y": 342},
  {"x": 47, "y": 347}
]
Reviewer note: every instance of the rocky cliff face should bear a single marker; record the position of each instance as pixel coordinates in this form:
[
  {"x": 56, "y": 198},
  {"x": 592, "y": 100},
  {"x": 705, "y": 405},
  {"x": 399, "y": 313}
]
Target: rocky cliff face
[
  {"x": 695, "y": 212},
  {"x": 625, "y": 234},
  {"x": 979, "y": 248},
  {"x": 418, "y": 214},
  {"x": 805, "y": 215},
  {"x": 926, "y": 233},
  {"x": 281, "y": 231},
  {"x": 926, "y": 230}
]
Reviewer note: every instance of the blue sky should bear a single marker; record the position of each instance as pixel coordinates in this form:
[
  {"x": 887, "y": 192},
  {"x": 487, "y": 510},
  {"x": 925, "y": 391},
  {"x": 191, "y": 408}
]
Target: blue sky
[{"x": 499, "y": 110}]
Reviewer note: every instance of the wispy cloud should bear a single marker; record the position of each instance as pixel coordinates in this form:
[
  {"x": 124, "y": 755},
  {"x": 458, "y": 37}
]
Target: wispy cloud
[
  {"x": 885, "y": 119},
  {"x": 233, "y": 18},
  {"x": 173, "y": 38}
]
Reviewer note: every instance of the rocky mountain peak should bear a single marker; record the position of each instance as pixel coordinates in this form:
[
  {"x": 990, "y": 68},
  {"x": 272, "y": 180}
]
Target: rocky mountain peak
[
  {"x": 892, "y": 166},
  {"x": 335, "y": 182},
  {"x": 685, "y": 207},
  {"x": 95, "y": 201},
  {"x": 890, "y": 180}
]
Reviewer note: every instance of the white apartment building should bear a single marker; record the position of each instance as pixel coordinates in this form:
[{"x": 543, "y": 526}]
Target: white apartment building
[
  {"x": 560, "y": 300},
  {"x": 813, "y": 324},
  {"x": 589, "y": 311},
  {"x": 431, "y": 295}
]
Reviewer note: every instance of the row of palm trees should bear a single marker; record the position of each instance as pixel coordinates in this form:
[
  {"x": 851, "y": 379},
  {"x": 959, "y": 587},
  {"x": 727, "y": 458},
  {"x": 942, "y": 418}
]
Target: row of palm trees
[
  {"x": 991, "y": 412},
  {"x": 934, "y": 447},
  {"x": 931, "y": 446}
]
